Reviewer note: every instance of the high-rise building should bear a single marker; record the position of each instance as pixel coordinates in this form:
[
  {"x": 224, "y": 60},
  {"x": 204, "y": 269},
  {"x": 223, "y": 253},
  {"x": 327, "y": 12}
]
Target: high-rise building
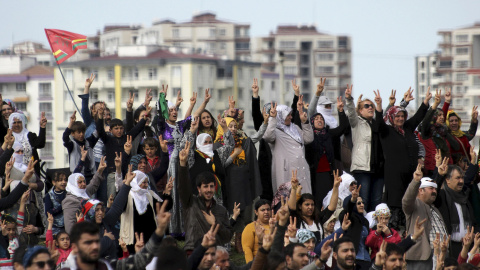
[{"x": 307, "y": 54}]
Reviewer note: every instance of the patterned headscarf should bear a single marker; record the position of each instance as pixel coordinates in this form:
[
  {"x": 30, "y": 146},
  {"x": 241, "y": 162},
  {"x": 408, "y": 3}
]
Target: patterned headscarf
[
  {"x": 304, "y": 235},
  {"x": 135, "y": 160},
  {"x": 282, "y": 112},
  {"x": 11, "y": 104},
  {"x": 390, "y": 116},
  {"x": 458, "y": 133},
  {"x": 382, "y": 210},
  {"x": 88, "y": 209}
]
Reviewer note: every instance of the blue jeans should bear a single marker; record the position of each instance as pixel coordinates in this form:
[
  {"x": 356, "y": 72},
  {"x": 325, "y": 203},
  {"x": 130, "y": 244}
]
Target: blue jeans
[{"x": 372, "y": 189}]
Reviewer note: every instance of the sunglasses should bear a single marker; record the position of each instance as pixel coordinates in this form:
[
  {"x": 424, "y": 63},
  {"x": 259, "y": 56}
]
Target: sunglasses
[
  {"x": 367, "y": 105},
  {"x": 42, "y": 264},
  {"x": 358, "y": 203}
]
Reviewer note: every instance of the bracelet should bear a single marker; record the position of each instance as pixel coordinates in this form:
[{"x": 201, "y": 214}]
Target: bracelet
[{"x": 323, "y": 261}]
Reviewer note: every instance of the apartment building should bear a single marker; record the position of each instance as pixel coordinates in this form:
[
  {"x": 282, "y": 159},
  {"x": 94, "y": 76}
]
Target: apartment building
[
  {"x": 137, "y": 68},
  {"x": 457, "y": 66},
  {"x": 31, "y": 87},
  {"x": 203, "y": 34},
  {"x": 307, "y": 54}
]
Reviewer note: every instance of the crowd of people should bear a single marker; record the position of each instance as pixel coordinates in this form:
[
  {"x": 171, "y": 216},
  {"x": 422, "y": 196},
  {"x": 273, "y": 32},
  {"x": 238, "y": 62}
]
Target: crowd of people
[{"x": 371, "y": 189}]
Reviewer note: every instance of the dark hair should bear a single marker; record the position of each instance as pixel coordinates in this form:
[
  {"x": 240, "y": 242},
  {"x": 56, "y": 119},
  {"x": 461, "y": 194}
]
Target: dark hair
[
  {"x": 452, "y": 168},
  {"x": 78, "y": 126},
  {"x": 274, "y": 259},
  {"x": 261, "y": 202},
  {"x": 169, "y": 241},
  {"x": 95, "y": 103},
  {"x": 57, "y": 175},
  {"x": 9, "y": 219},
  {"x": 291, "y": 247},
  {"x": 316, "y": 212},
  {"x": 392, "y": 248},
  {"x": 19, "y": 254},
  {"x": 340, "y": 241},
  {"x": 171, "y": 258},
  {"x": 448, "y": 262},
  {"x": 466, "y": 266},
  {"x": 151, "y": 142},
  {"x": 456, "y": 157},
  {"x": 214, "y": 122},
  {"x": 83, "y": 227},
  {"x": 204, "y": 178},
  {"x": 59, "y": 234},
  {"x": 137, "y": 113},
  {"x": 116, "y": 122}
]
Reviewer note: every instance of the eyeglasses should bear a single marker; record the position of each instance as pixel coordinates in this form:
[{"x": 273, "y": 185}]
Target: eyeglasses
[
  {"x": 367, "y": 105},
  {"x": 358, "y": 203},
  {"x": 42, "y": 264}
]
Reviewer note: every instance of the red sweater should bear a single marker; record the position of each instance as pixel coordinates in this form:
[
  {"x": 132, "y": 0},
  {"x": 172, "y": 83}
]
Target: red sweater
[
  {"x": 63, "y": 253},
  {"x": 374, "y": 241}
]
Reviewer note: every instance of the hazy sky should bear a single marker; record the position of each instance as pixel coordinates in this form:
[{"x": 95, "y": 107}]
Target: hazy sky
[{"x": 386, "y": 35}]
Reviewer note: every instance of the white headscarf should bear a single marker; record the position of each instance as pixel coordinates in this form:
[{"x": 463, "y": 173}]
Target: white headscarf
[
  {"x": 18, "y": 157},
  {"x": 326, "y": 113},
  {"x": 22, "y": 135},
  {"x": 140, "y": 195},
  {"x": 282, "y": 113},
  {"x": 343, "y": 189},
  {"x": 72, "y": 186},
  {"x": 206, "y": 149}
]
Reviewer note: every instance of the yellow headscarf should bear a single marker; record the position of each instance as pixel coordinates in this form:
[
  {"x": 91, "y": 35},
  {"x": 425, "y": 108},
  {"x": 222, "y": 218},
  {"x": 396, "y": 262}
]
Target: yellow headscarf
[
  {"x": 240, "y": 159},
  {"x": 457, "y": 133}
]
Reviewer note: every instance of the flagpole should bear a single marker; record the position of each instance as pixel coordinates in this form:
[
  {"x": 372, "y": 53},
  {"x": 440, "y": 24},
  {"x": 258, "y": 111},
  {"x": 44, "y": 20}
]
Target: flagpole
[{"x": 69, "y": 90}]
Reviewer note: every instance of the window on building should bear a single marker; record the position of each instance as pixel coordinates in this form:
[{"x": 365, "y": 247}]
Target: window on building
[
  {"x": 110, "y": 75},
  {"x": 46, "y": 107},
  {"x": 212, "y": 32},
  {"x": 290, "y": 57},
  {"x": 242, "y": 45},
  {"x": 66, "y": 116},
  {"x": 175, "y": 32},
  {"x": 94, "y": 72},
  {"x": 461, "y": 64},
  {"x": 22, "y": 106},
  {"x": 288, "y": 44},
  {"x": 152, "y": 73},
  {"x": 240, "y": 93},
  {"x": 93, "y": 95},
  {"x": 49, "y": 129},
  {"x": 325, "y": 44},
  {"x": 342, "y": 43},
  {"x": 176, "y": 71},
  {"x": 237, "y": 32},
  {"x": 461, "y": 51},
  {"x": 68, "y": 74},
  {"x": 343, "y": 56},
  {"x": 290, "y": 70},
  {"x": 461, "y": 38},
  {"x": 135, "y": 93},
  {"x": 223, "y": 46},
  {"x": 47, "y": 151},
  {"x": 222, "y": 32},
  {"x": 325, "y": 57},
  {"x": 21, "y": 87},
  {"x": 111, "y": 96},
  {"x": 272, "y": 85},
  {"x": 445, "y": 64},
  {"x": 325, "y": 70},
  {"x": 304, "y": 71},
  {"x": 176, "y": 90},
  {"x": 422, "y": 77},
  {"x": 462, "y": 76},
  {"x": 45, "y": 89},
  {"x": 240, "y": 73},
  {"x": 305, "y": 85},
  {"x": 422, "y": 65}
]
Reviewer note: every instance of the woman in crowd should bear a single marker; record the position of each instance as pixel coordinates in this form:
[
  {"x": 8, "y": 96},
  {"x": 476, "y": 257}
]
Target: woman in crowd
[
  {"x": 78, "y": 190},
  {"x": 17, "y": 122},
  {"x": 321, "y": 153},
  {"x": 454, "y": 123},
  {"x": 207, "y": 124},
  {"x": 287, "y": 141},
  {"x": 367, "y": 157},
  {"x": 305, "y": 211},
  {"x": 7, "y": 107},
  {"x": 253, "y": 232},
  {"x": 400, "y": 149}
]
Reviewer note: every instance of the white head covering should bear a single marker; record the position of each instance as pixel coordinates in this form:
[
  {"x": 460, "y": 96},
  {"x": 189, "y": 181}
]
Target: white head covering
[
  {"x": 18, "y": 157},
  {"x": 282, "y": 113},
  {"x": 206, "y": 149},
  {"x": 326, "y": 113},
  {"x": 343, "y": 189},
  {"x": 171, "y": 105},
  {"x": 72, "y": 186},
  {"x": 22, "y": 135},
  {"x": 427, "y": 182},
  {"x": 140, "y": 195}
]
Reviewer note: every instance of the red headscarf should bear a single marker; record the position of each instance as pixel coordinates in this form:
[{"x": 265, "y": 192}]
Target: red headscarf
[{"x": 390, "y": 116}]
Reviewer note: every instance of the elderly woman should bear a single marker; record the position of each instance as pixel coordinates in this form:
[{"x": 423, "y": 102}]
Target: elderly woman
[
  {"x": 17, "y": 122},
  {"x": 400, "y": 149},
  {"x": 287, "y": 141},
  {"x": 381, "y": 232},
  {"x": 78, "y": 190},
  {"x": 7, "y": 107},
  {"x": 139, "y": 211}
]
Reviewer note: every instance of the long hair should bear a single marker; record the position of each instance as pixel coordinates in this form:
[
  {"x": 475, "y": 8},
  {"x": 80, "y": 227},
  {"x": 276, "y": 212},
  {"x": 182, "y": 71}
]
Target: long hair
[
  {"x": 316, "y": 212},
  {"x": 214, "y": 122}
]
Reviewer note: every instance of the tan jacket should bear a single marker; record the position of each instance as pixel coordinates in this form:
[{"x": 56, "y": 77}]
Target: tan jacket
[
  {"x": 413, "y": 207},
  {"x": 361, "y": 137}
]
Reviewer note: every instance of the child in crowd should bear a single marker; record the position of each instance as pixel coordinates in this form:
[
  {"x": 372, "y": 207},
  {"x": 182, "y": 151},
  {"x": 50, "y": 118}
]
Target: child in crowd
[
  {"x": 11, "y": 230},
  {"x": 61, "y": 242},
  {"x": 53, "y": 201},
  {"x": 115, "y": 143},
  {"x": 150, "y": 147},
  {"x": 74, "y": 140}
]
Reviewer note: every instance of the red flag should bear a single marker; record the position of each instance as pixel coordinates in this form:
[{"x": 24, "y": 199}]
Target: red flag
[{"x": 64, "y": 44}]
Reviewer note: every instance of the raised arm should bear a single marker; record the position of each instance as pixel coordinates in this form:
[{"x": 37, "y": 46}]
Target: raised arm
[
  {"x": 269, "y": 135},
  {"x": 200, "y": 109},
  {"x": 336, "y": 183},
  {"x": 261, "y": 131},
  {"x": 87, "y": 117},
  {"x": 184, "y": 186},
  {"x": 350, "y": 106},
  {"x": 408, "y": 200},
  {"x": 256, "y": 112}
]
